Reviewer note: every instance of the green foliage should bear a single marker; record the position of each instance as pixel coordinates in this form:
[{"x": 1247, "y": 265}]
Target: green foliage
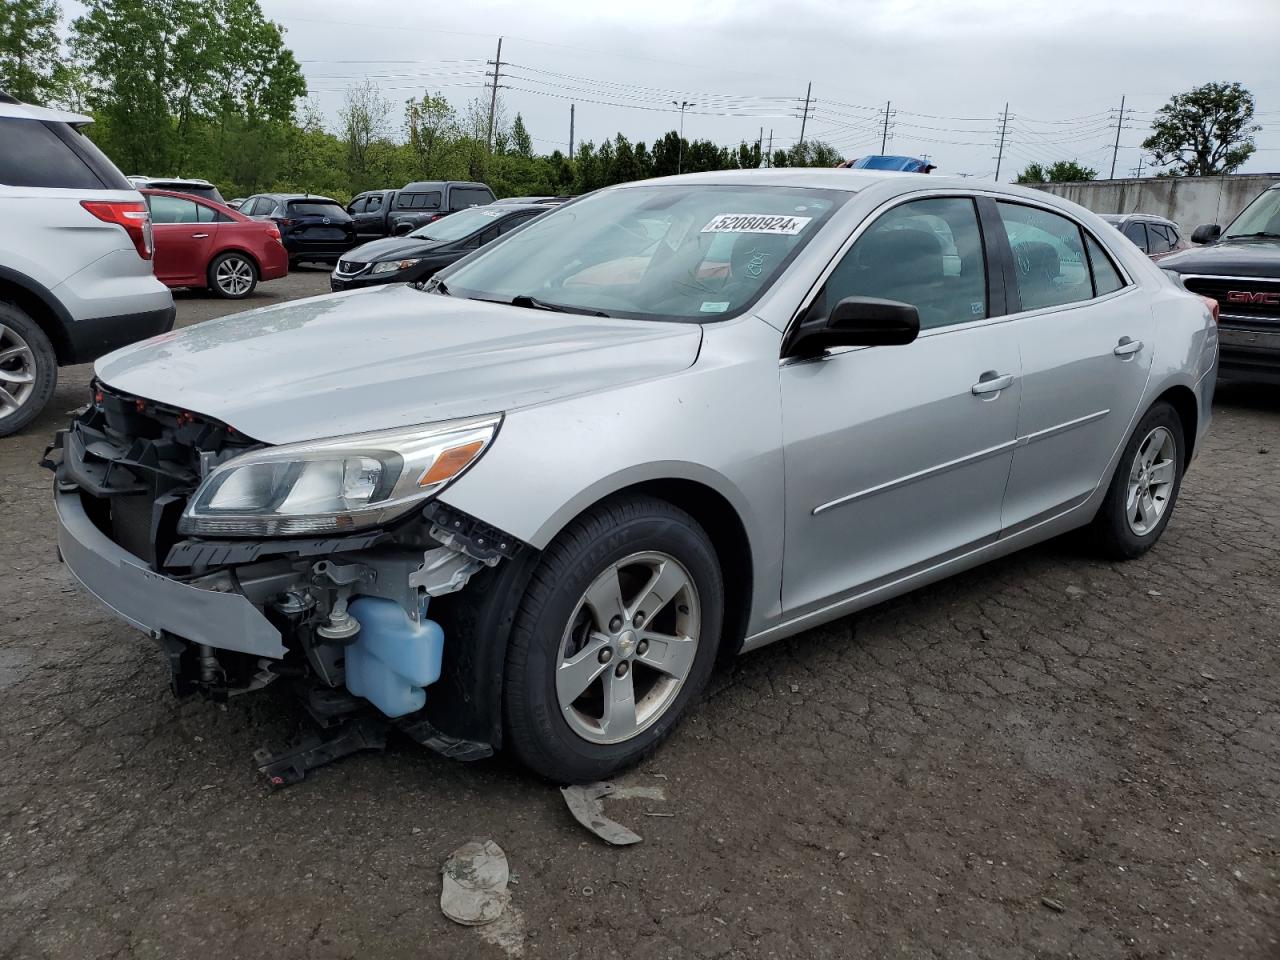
[
  {"x": 31, "y": 61},
  {"x": 184, "y": 86},
  {"x": 1205, "y": 131},
  {"x": 1060, "y": 171},
  {"x": 521, "y": 142}
]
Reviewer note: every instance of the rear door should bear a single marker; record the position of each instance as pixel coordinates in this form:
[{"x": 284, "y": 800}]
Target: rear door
[
  {"x": 183, "y": 242},
  {"x": 897, "y": 457},
  {"x": 1085, "y": 334}
]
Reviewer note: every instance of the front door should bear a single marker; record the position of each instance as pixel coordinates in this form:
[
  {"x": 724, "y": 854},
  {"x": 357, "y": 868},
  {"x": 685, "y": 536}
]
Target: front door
[
  {"x": 182, "y": 241},
  {"x": 1086, "y": 338},
  {"x": 897, "y": 457}
]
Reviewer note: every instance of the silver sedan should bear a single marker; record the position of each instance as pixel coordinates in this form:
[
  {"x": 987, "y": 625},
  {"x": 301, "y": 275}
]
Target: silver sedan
[{"x": 529, "y": 502}]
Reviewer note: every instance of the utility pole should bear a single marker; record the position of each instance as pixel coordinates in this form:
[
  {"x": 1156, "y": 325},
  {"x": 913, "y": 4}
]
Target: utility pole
[
  {"x": 497, "y": 65},
  {"x": 1116, "y": 149},
  {"x": 769, "y": 155},
  {"x": 884, "y": 138},
  {"x": 680, "y": 149},
  {"x": 1138, "y": 173},
  {"x": 1004, "y": 124},
  {"x": 805, "y": 117},
  {"x": 571, "y": 106},
  {"x": 760, "y": 147}
]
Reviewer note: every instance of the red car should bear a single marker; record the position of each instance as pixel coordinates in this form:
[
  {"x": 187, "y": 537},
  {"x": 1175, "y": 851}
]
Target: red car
[{"x": 199, "y": 243}]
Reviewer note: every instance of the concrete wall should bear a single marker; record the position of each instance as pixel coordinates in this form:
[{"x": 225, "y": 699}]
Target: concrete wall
[{"x": 1188, "y": 201}]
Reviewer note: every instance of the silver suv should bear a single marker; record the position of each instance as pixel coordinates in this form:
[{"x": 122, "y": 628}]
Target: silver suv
[{"x": 75, "y": 257}]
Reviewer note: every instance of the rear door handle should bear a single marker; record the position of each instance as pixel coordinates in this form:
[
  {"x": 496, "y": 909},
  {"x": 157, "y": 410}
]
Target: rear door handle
[
  {"x": 992, "y": 382},
  {"x": 199, "y": 236},
  {"x": 1127, "y": 347}
]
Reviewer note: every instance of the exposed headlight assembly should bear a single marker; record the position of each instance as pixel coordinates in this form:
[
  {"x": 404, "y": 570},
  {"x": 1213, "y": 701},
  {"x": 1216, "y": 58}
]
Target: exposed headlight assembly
[
  {"x": 337, "y": 485},
  {"x": 391, "y": 266}
]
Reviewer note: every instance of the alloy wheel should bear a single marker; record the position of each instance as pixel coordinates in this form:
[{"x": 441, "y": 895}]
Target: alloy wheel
[
  {"x": 234, "y": 276},
  {"x": 1151, "y": 481},
  {"x": 629, "y": 647},
  {"x": 17, "y": 371}
]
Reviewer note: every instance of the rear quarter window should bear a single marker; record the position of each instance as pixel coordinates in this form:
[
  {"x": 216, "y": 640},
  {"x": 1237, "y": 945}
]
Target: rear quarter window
[
  {"x": 419, "y": 201},
  {"x": 462, "y": 197},
  {"x": 33, "y": 155}
]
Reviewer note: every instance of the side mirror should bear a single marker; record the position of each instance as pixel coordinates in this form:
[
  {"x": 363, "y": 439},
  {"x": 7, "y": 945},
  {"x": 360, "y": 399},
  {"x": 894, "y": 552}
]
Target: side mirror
[
  {"x": 858, "y": 322},
  {"x": 1206, "y": 233}
]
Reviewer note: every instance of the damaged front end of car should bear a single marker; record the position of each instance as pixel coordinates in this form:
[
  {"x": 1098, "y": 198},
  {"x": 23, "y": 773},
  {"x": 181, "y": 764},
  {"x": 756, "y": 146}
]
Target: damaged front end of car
[{"x": 312, "y": 566}]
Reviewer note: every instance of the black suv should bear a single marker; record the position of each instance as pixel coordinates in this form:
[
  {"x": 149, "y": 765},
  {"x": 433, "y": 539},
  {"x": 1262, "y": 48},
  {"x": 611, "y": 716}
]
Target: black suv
[
  {"x": 1240, "y": 268},
  {"x": 311, "y": 227}
]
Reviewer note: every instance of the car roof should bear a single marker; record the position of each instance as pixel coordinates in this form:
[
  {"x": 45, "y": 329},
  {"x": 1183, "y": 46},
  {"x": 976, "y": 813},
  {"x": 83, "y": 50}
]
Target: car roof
[
  {"x": 185, "y": 181},
  {"x": 178, "y": 194},
  {"x": 825, "y": 178},
  {"x": 295, "y": 196},
  {"x": 29, "y": 111},
  {"x": 1119, "y": 218}
]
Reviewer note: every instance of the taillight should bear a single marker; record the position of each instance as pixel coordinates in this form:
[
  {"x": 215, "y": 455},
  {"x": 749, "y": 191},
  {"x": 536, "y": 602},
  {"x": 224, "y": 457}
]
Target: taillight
[
  {"x": 274, "y": 232},
  {"x": 130, "y": 214},
  {"x": 1212, "y": 304},
  {"x": 286, "y": 222}
]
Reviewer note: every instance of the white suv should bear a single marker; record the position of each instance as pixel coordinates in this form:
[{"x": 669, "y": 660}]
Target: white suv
[{"x": 75, "y": 257}]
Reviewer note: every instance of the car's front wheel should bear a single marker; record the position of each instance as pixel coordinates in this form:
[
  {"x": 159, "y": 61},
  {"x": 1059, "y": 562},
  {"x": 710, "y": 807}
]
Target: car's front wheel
[
  {"x": 1145, "y": 486},
  {"x": 233, "y": 276},
  {"x": 28, "y": 369},
  {"x": 615, "y": 637}
]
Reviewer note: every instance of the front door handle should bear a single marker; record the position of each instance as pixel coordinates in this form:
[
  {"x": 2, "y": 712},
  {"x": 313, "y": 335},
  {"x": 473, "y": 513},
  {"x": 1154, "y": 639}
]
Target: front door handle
[
  {"x": 992, "y": 382},
  {"x": 1127, "y": 347},
  {"x": 198, "y": 236}
]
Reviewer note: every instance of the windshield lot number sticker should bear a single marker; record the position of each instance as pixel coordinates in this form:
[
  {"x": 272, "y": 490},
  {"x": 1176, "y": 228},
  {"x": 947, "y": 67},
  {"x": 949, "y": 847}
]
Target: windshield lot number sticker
[{"x": 781, "y": 225}]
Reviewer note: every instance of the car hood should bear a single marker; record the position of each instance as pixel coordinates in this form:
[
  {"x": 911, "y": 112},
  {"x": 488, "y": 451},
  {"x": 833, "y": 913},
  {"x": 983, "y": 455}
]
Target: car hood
[
  {"x": 1229, "y": 258},
  {"x": 389, "y": 357},
  {"x": 390, "y": 248}
]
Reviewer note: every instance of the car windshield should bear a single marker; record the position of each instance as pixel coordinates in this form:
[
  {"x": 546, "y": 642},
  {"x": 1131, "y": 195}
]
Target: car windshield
[
  {"x": 669, "y": 252},
  {"x": 317, "y": 208},
  {"x": 458, "y": 225},
  {"x": 1260, "y": 218}
]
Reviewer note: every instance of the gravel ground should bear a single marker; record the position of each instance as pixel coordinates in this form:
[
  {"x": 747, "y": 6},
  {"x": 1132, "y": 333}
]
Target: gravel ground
[{"x": 1048, "y": 757}]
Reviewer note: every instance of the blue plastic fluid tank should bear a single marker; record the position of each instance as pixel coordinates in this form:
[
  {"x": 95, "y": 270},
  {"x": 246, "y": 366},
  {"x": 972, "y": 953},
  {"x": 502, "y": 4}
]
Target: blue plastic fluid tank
[{"x": 393, "y": 657}]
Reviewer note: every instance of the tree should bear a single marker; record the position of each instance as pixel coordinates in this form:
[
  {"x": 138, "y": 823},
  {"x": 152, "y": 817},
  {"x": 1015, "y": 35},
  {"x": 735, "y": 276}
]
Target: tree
[
  {"x": 1205, "y": 131},
  {"x": 166, "y": 75},
  {"x": 31, "y": 62},
  {"x": 1060, "y": 171},
  {"x": 431, "y": 125},
  {"x": 521, "y": 142},
  {"x": 364, "y": 126}
]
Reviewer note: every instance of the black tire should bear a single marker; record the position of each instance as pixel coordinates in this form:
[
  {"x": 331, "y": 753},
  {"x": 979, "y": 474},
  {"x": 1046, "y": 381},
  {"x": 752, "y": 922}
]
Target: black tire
[
  {"x": 536, "y": 728},
  {"x": 244, "y": 263},
  {"x": 41, "y": 365},
  {"x": 1113, "y": 534}
]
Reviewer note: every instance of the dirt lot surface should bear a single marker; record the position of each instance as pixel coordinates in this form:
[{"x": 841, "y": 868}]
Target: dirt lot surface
[{"x": 1048, "y": 757}]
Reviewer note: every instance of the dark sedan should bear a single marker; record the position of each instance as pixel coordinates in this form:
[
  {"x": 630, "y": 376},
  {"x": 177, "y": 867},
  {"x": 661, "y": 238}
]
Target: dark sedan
[
  {"x": 311, "y": 228},
  {"x": 418, "y": 255}
]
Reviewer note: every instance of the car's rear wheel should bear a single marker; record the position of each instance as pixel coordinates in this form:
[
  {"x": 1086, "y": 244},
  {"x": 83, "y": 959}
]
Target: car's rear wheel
[
  {"x": 615, "y": 637},
  {"x": 28, "y": 369},
  {"x": 1145, "y": 487},
  {"x": 233, "y": 276}
]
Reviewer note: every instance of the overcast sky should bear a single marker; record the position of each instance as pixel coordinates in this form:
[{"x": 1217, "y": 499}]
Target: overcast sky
[{"x": 1061, "y": 65}]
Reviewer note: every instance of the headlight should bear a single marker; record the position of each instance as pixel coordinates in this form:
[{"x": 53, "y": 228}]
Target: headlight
[
  {"x": 335, "y": 486},
  {"x": 391, "y": 266}
]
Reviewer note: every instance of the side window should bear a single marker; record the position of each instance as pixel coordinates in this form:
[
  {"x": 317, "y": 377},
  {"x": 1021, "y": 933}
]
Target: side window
[
  {"x": 172, "y": 210},
  {"x": 462, "y": 197},
  {"x": 1106, "y": 278},
  {"x": 1135, "y": 231},
  {"x": 509, "y": 224},
  {"x": 927, "y": 253},
  {"x": 1158, "y": 238},
  {"x": 208, "y": 214},
  {"x": 489, "y": 235},
  {"x": 35, "y": 156},
  {"x": 249, "y": 207},
  {"x": 356, "y": 206},
  {"x": 1048, "y": 256},
  {"x": 373, "y": 204}
]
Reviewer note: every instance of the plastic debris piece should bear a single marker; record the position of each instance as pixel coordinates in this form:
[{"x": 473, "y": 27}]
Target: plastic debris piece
[
  {"x": 1055, "y": 905},
  {"x": 586, "y": 804},
  {"x": 473, "y": 890}
]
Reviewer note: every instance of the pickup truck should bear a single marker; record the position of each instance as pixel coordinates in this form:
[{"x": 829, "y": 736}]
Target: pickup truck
[
  {"x": 393, "y": 213},
  {"x": 1239, "y": 267}
]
